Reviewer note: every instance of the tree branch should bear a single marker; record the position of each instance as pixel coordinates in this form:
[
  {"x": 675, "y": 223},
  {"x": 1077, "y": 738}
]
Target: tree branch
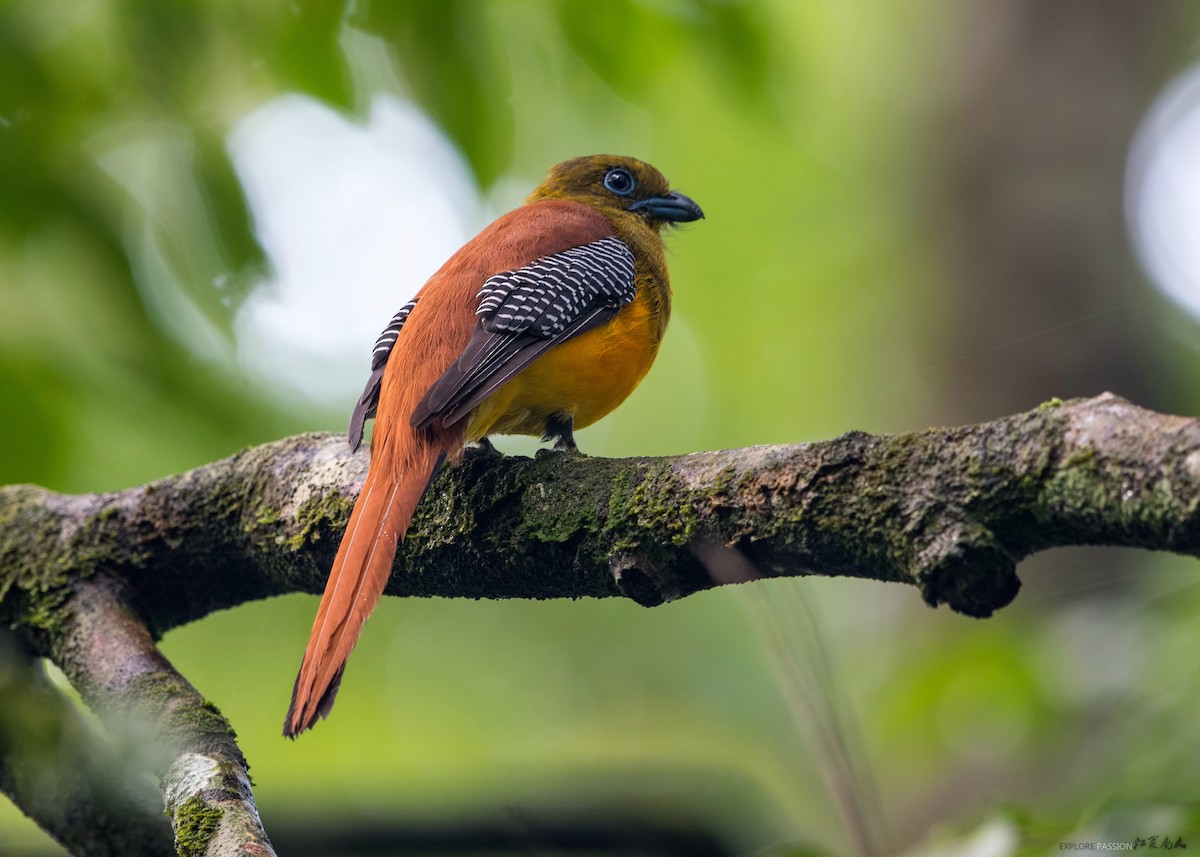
[
  {"x": 950, "y": 511},
  {"x": 108, "y": 655},
  {"x": 54, "y": 766}
]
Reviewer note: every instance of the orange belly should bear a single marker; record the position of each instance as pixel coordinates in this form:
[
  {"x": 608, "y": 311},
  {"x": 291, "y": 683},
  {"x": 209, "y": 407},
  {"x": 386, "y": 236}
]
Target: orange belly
[{"x": 585, "y": 378}]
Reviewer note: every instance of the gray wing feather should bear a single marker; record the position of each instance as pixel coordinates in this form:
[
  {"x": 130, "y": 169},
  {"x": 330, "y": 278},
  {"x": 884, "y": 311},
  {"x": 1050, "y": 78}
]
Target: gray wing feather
[
  {"x": 524, "y": 312},
  {"x": 369, "y": 400}
]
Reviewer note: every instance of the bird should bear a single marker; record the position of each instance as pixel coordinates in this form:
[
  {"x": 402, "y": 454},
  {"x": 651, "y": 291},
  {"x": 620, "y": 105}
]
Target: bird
[{"x": 541, "y": 324}]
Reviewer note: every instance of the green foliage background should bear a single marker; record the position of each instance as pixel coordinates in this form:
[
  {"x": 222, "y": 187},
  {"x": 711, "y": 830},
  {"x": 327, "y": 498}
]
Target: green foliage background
[{"x": 837, "y": 149}]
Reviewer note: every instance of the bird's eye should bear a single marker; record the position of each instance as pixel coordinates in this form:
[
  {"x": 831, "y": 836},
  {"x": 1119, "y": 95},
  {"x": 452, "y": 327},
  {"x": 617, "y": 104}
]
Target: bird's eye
[{"x": 619, "y": 181}]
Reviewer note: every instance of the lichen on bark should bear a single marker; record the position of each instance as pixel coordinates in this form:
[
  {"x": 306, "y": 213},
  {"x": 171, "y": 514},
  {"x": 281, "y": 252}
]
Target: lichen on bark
[{"x": 91, "y": 581}]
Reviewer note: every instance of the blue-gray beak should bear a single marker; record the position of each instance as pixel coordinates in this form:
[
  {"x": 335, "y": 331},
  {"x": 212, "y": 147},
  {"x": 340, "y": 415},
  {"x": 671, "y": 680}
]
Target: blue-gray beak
[{"x": 674, "y": 207}]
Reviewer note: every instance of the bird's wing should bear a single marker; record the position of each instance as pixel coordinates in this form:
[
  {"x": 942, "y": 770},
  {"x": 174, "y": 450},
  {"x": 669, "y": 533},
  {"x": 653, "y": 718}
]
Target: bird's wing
[
  {"x": 369, "y": 400},
  {"x": 524, "y": 312}
]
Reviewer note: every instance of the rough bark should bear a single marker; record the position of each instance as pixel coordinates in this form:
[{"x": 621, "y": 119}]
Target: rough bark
[
  {"x": 57, "y": 769},
  {"x": 89, "y": 581}
]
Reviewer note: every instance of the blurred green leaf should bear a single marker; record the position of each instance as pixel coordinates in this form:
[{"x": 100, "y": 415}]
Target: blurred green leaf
[
  {"x": 624, "y": 42},
  {"x": 306, "y": 53},
  {"x": 455, "y": 69}
]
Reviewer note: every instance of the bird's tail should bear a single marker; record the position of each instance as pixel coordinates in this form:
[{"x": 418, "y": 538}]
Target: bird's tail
[{"x": 360, "y": 572}]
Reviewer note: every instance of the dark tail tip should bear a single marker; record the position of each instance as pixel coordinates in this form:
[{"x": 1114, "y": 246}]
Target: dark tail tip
[
  {"x": 301, "y": 720},
  {"x": 291, "y": 726}
]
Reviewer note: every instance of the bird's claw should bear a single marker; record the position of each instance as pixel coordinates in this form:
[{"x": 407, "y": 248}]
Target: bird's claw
[{"x": 482, "y": 448}]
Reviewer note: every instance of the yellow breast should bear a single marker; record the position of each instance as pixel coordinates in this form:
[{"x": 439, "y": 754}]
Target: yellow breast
[{"x": 584, "y": 378}]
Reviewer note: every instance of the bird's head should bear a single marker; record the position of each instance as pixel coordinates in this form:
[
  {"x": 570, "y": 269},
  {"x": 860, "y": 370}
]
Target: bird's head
[{"x": 618, "y": 186}]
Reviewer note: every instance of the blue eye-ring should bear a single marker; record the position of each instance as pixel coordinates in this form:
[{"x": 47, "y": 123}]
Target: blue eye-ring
[{"x": 620, "y": 181}]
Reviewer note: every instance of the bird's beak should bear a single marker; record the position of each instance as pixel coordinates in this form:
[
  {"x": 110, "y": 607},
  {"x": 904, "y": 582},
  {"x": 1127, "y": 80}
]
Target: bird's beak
[{"x": 674, "y": 207}]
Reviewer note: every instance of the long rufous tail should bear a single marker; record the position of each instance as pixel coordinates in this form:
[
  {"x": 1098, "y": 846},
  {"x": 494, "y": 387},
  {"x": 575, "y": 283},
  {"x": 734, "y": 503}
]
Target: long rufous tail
[{"x": 360, "y": 572}]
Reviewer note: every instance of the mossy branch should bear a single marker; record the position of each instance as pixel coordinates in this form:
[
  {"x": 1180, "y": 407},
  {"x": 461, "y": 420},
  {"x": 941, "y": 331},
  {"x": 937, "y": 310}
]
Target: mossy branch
[
  {"x": 83, "y": 788},
  {"x": 950, "y": 511}
]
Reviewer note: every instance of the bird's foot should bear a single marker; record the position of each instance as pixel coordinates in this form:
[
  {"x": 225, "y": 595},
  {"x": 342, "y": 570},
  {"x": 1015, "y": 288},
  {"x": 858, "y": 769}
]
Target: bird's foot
[
  {"x": 559, "y": 449},
  {"x": 561, "y": 430},
  {"x": 481, "y": 448}
]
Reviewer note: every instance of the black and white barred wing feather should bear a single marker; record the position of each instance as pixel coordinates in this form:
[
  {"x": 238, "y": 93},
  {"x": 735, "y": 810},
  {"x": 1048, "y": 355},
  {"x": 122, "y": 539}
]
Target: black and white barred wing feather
[
  {"x": 369, "y": 400},
  {"x": 524, "y": 312}
]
